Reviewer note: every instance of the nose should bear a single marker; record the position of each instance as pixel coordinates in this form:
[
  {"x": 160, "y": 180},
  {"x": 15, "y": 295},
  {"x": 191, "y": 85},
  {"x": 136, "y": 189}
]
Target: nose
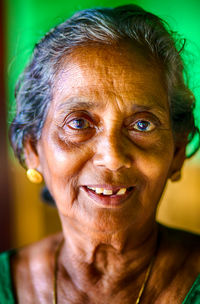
[{"x": 113, "y": 153}]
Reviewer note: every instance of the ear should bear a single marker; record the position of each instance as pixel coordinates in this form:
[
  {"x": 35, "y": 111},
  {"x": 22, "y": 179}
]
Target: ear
[
  {"x": 31, "y": 155},
  {"x": 177, "y": 162}
]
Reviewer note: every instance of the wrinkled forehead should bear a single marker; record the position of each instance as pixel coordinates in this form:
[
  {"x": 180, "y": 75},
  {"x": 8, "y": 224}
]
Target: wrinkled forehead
[
  {"x": 115, "y": 68},
  {"x": 120, "y": 57}
]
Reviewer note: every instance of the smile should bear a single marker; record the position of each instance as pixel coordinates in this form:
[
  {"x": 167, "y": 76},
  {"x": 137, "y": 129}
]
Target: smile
[
  {"x": 108, "y": 196},
  {"x": 109, "y": 192}
]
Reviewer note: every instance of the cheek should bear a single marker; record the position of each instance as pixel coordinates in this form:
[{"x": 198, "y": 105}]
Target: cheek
[
  {"x": 61, "y": 166},
  {"x": 154, "y": 166}
]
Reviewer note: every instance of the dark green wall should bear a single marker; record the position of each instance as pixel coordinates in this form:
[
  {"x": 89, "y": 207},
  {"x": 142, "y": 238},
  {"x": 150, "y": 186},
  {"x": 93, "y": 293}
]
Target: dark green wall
[{"x": 28, "y": 20}]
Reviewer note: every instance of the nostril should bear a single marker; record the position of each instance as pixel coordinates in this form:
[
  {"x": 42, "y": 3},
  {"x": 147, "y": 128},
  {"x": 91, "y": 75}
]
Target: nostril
[{"x": 130, "y": 189}]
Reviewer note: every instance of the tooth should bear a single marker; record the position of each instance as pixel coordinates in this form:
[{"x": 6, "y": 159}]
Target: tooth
[
  {"x": 121, "y": 191},
  {"x": 107, "y": 192},
  {"x": 91, "y": 188},
  {"x": 99, "y": 190}
]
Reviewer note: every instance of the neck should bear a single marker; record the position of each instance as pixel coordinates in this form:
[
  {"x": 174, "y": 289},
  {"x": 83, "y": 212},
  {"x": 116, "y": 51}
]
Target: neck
[{"x": 90, "y": 256}]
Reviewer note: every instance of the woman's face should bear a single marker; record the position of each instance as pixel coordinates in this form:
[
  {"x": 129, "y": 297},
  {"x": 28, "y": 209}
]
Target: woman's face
[{"x": 108, "y": 128}]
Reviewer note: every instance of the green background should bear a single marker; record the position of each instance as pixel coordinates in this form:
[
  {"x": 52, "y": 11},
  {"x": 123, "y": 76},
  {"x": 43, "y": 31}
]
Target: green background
[{"x": 28, "y": 20}]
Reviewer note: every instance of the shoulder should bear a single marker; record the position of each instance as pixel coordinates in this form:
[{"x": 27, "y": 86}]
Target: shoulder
[
  {"x": 32, "y": 266},
  {"x": 40, "y": 249},
  {"x": 37, "y": 252},
  {"x": 40, "y": 253},
  {"x": 177, "y": 265},
  {"x": 184, "y": 243}
]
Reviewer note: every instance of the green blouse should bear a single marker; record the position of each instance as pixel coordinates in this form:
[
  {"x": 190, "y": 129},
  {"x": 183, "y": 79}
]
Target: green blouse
[{"x": 7, "y": 294}]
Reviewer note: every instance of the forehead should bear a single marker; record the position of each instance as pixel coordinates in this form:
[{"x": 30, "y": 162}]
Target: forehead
[{"x": 97, "y": 72}]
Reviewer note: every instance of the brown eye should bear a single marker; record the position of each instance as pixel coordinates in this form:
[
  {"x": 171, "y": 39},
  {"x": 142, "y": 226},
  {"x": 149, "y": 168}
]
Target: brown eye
[
  {"x": 143, "y": 126},
  {"x": 79, "y": 124}
]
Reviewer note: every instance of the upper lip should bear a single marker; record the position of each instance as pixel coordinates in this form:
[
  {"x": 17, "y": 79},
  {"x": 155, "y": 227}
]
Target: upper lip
[{"x": 109, "y": 187}]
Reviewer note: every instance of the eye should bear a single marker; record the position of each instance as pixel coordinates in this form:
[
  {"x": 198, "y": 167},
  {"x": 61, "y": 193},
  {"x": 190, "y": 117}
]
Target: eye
[
  {"x": 79, "y": 124},
  {"x": 143, "y": 126}
]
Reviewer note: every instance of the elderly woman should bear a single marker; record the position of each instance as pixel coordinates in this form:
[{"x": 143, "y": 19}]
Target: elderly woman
[{"x": 104, "y": 116}]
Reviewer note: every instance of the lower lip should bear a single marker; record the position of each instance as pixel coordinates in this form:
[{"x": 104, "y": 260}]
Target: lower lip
[{"x": 110, "y": 200}]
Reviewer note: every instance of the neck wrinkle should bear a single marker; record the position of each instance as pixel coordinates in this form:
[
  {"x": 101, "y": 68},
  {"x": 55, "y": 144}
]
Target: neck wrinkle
[{"x": 89, "y": 260}]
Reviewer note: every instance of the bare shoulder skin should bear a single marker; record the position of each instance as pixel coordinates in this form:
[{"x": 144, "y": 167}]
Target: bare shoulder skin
[
  {"x": 176, "y": 266},
  {"x": 32, "y": 270}
]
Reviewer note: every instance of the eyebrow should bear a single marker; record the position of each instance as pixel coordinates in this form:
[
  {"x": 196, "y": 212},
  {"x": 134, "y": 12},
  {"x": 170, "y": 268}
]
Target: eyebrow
[
  {"x": 77, "y": 103},
  {"x": 143, "y": 108}
]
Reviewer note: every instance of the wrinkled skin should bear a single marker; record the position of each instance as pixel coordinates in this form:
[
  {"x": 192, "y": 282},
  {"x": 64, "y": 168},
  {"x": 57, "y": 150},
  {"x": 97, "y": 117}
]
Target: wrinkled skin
[
  {"x": 120, "y": 89},
  {"x": 107, "y": 248}
]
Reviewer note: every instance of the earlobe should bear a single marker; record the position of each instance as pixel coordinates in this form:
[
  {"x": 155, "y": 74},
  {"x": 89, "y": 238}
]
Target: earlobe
[
  {"x": 34, "y": 176},
  {"x": 177, "y": 163},
  {"x": 31, "y": 155},
  {"x": 32, "y": 162},
  {"x": 176, "y": 176}
]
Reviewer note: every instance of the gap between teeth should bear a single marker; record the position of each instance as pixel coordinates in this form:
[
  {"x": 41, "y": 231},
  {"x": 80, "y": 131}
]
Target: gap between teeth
[{"x": 107, "y": 191}]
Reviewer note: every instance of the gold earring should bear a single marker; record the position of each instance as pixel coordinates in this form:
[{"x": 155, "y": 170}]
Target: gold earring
[
  {"x": 175, "y": 176},
  {"x": 34, "y": 176}
]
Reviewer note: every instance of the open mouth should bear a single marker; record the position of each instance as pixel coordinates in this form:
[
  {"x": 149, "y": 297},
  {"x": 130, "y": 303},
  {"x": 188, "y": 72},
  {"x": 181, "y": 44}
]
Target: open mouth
[
  {"x": 108, "y": 196},
  {"x": 109, "y": 192}
]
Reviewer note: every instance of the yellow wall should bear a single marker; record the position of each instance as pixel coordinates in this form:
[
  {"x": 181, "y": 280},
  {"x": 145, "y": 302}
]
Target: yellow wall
[{"x": 180, "y": 205}]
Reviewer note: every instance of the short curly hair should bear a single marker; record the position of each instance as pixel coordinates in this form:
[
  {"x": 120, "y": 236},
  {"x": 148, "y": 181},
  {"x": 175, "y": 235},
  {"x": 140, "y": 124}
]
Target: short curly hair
[{"x": 103, "y": 26}]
